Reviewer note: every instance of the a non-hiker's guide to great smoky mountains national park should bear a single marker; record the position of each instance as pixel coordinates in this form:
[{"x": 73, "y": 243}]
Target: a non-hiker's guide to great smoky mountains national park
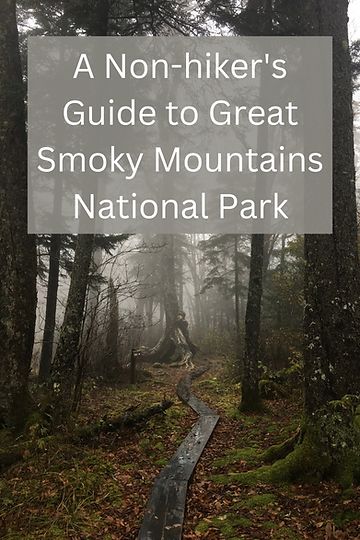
[{"x": 179, "y": 270}]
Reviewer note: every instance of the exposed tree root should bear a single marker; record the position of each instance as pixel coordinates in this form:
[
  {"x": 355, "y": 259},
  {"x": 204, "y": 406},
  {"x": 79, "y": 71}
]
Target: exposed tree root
[
  {"x": 280, "y": 451},
  {"x": 176, "y": 340},
  {"x": 328, "y": 446},
  {"x": 308, "y": 463},
  {"x": 302, "y": 463}
]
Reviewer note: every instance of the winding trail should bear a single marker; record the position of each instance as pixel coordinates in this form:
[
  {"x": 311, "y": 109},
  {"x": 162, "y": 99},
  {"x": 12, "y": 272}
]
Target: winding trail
[{"x": 165, "y": 512}]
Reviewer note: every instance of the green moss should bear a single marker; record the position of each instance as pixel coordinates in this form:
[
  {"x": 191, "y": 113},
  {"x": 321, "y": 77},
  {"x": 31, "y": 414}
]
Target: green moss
[
  {"x": 226, "y": 524},
  {"x": 146, "y": 445},
  {"x": 304, "y": 462},
  {"x": 211, "y": 384},
  {"x": 347, "y": 516},
  {"x": 66, "y": 495},
  {"x": 128, "y": 466},
  {"x": 269, "y": 525},
  {"x": 159, "y": 445},
  {"x": 161, "y": 462},
  {"x": 329, "y": 447},
  {"x": 285, "y": 534},
  {"x": 250, "y": 478},
  {"x": 176, "y": 412},
  {"x": 280, "y": 451},
  {"x": 203, "y": 526},
  {"x": 257, "y": 501},
  {"x": 348, "y": 493},
  {"x": 250, "y": 455},
  {"x": 236, "y": 414}
]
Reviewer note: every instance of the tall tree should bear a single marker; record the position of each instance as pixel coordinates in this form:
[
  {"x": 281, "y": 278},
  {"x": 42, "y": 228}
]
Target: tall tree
[
  {"x": 226, "y": 259},
  {"x": 329, "y": 442},
  {"x": 63, "y": 368},
  {"x": 250, "y": 394},
  {"x": 262, "y": 11},
  {"x": 255, "y": 17},
  {"x": 332, "y": 315},
  {"x": 165, "y": 346},
  {"x": 17, "y": 248},
  {"x": 237, "y": 298},
  {"x": 50, "y": 312},
  {"x": 66, "y": 356}
]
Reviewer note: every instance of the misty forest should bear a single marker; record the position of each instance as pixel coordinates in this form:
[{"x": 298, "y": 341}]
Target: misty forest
[{"x": 188, "y": 386}]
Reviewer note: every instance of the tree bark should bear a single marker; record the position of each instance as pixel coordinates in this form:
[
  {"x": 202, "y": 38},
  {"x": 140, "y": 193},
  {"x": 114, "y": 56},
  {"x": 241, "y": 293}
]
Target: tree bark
[
  {"x": 63, "y": 368},
  {"x": 111, "y": 365},
  {"x": 193, "y": 265},
  {"x": 237, "y": 299},
  {"x": 165, "y": 346},
  {"x": 332, "y": 316},
  {"x": 171, "y": 303},
  {"x": 176, "y": 335},
  {"x": 98, "y": 22},
  {"x": 330, "y": 440},
  {"x": 250, "y": 395},
  {"x": 17, "y": 248},
  {"x": 64, "y": 365},
  {"x": 50, "y": 313}
]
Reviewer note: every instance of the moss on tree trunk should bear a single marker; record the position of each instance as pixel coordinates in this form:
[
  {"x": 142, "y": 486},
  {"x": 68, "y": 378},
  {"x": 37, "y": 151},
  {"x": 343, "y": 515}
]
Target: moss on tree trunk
[
  {"x": 332, "y": 314},
  {"x": 329, "y": 445}
]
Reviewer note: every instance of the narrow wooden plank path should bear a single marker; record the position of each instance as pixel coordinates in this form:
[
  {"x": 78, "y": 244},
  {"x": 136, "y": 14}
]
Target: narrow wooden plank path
[{"x": 165, "y": 512}]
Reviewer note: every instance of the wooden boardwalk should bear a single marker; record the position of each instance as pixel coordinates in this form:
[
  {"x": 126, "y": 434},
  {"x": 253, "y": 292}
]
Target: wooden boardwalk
[{"x": 165, "y": 512}]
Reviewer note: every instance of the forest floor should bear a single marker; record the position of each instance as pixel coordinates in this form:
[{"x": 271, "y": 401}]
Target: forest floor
[{"x": 98, "y": 490}]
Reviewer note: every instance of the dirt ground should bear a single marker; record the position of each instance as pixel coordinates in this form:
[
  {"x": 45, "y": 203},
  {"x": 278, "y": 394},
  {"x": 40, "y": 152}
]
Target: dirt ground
[{"x": 98, "y": 490}]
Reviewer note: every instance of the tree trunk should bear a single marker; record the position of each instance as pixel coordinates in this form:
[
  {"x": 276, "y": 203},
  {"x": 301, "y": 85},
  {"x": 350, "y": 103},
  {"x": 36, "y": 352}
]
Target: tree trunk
[
  {"x": 64, "y": 365},
  {"x": 149, "y": 309},
  {"x": 63, "y": 368},
  {"x": 176, "y": 334},
  {"x": 17, "y": 248},
  {"x": 111, "y": 367},
  {"x": 330, "y": 441},
  {"x": 180, "y": 269},
  {"x": 165, "y": 346},
  {"x": 193, "y": 265},
  {"x": 98, "y": 22},
  {"x": 332, "y": 315},
  {"x": 50, "y": 314},
  {"x": 169, "y": 283},
  {"x": 237, "y": 299},
  {"x": 279, "y": 308},
  {"x": 250, "y": 395}
]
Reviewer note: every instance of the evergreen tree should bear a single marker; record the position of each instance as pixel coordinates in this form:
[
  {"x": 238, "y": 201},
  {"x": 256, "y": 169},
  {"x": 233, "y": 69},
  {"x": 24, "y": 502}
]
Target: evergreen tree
[{"x": 17, "y": 248}]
